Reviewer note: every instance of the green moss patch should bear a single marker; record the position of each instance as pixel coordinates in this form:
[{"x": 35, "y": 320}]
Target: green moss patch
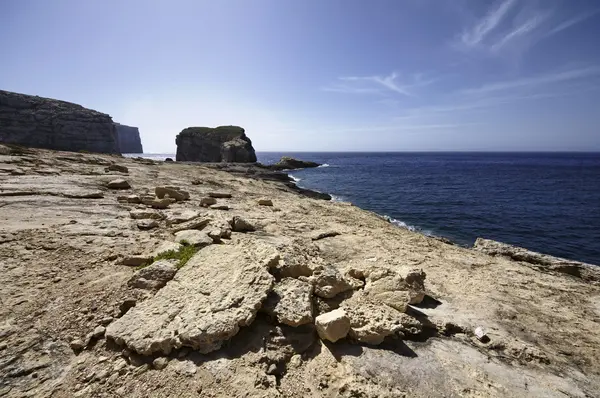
[{"x": 182, "y": 255}]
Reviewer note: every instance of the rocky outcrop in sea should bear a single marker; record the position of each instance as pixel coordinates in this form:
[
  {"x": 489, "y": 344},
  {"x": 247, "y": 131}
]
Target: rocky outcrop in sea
[
  {"x": 39, "y": 122},
  {"x": 219, "y": 144},
  {"x": 129, "y": 139}
]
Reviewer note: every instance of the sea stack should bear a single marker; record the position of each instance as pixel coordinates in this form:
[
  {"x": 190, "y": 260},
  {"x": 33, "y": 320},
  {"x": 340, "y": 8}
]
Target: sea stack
[
  {"x": 129, "y": 139},
  {"x": 38, "y": 122},
  {"x": 219, "y": 144}
]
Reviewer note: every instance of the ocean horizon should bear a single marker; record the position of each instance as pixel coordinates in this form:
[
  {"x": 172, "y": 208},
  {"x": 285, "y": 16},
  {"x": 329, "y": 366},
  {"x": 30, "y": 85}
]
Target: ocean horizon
[{"x": 543, "y": 201}]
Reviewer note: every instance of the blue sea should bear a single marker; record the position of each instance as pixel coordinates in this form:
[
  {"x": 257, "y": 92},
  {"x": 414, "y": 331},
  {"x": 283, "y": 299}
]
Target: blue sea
[{"x": 546, "y": 202}]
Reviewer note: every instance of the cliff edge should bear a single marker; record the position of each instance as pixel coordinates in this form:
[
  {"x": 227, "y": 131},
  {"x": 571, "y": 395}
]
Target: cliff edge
[
  {"x": 39, "y": 122},
  {"x": 129, "y": 139},
  {"x": 219, "y": 144}
]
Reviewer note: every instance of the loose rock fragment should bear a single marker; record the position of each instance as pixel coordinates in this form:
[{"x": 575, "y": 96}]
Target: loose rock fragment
[
  {"x": 208, "y": 202},
  {"x": 222, "y": 195},
  {"x": 139, "y": 214},
  {"x": 390, "y": 288},
  {"x": 193, "y": 237},
  {"x": 265, "y": 202},
  {"x": 174, "y": 193},
  {"x": 77, "y": 345},
  {"x": 219, "y": 207},
  {"x": 145, "y": 225},
  {"x": 239, "y": 224},
  {"x": 197, "y": 223},
  {"x": 119, "y": 183},
  {"x": 160, "y": 203},
  {"x": 160, "y": 363},
  {"x": 291, "y": 302},
  {"x": 136, "y": 260},
  {"x": 328, "y": 281},
  {"x": 117, "y": 167},
  {"x": 219, "y": 291},
  {"x": 154, "y": 276},
  {"x": 333, "y": 325},
  {"x": 324, "y": 234}
]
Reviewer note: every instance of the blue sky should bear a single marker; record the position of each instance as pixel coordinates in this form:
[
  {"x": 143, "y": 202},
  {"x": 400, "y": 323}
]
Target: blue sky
[{"x": 391, "y": 75}]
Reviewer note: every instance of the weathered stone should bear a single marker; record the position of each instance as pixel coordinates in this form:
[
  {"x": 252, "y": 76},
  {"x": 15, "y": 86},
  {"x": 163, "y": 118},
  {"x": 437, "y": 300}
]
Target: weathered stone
[
  {"x": 193, "y": 237},
  {"x": 182, "y": 216},
  {"x": 145, "y": 214},
  {"x": 129, "y": 139},
  {"x": 288, "y": 163},
  {"x": 208, "y": 201},
  {"x": 219, "y": 207},
  {"x": 98, "y": 332},
  {"x": 220, "y": 144},
  {"x": 160, "y": 203},
  {"x": 324, "y": 234},
  {"x": 390, "y": 288},
  {"x": 146, "y": 225},
  {"x": 119, "y": 183},
  {"x": 290, "y": 302},
  {"x": 136, "y": 260},
  {"x": 77, "y": 345},
  {"x": 52, "y": 124},
  {"x": 154, "y": 276},
  {"x": 135, "y": 199},
  {"x": 176, "y": 194},
  {"x": 160, "y": 363},
  {"x": 197, "y": 223},
  {"x": 239, "y": 224},
  {"x": 265, "y": 202},
  {"x": 220, "y": 195},
  {"x": 215, "y": 234},
  {"x": 77, "y": 194},
  {"x": 126, "y": 305},
  {"x": 165, "y": 246},
  {"x": 333, "y": 325},
  {"x": 328, "y": 281},
  {"x": 117, "y": 167},
  {"x": 220, "y": 290}
]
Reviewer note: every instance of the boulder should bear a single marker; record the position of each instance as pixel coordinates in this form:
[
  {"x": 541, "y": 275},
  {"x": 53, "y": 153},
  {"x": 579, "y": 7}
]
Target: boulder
[
  {"x": 172, "y": 192},
  {"x": 208, "y": 202},
  {"x": 119, "y": 183},
  {"x": 193, "y": 237},
  {"x": 388, "y": 287},
  {"x": 239, "y": 224},
  {"x": 38, "y": 122},
  {"x": 288, "y": 163},
  {"x": 220, "y": 144},
  {"x": 129, "y": 139},
  {"x": 333, "y": 325},
  {"x": 328, "y": 281},
  {"x": 154, "y": 276},
  {"x": 290, "y": 302},
  {"x": 220, "y": 290}
]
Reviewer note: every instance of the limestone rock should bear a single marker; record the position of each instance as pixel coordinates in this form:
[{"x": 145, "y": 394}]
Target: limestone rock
[
  {"x": 219, "y": 195},
  {"x": 328, "y": 281},
  {"x": 117, "y": 167},
  {"x": 145, "y": 225},
  {"x": 154, "y": 276},
  {"x": 220, "y": 144},
  {"x": 129, "y": 139},
  {"x": 265, "y": 202},
  {"x": 160, "y": 363},
  {"x": 220, "y": 290},
  {"x": 291, "y": 302},
  {"x": 145, "y": 214},
  {"x": 324, "y": 234},
  {"x": 333, "y": 325},
  {"x": 390, "y": 288},
  {"x": 238, "y": 224},
  {"x": 288, "y": 163},
  {"x": 197, "y": 223},
  {"x": 182, "y": 216},
  {"x": 176, "y": 194},
  {"x": 119, "y": 183},
  {"x": 52, "y": 124},
  {"x": 136, "y": 260},
  {"x": 208, "y": 201},
  {"x": 219, "y": 207},
  {"x": 165, "y": 247},
  {"x": 193, "y": 237}
]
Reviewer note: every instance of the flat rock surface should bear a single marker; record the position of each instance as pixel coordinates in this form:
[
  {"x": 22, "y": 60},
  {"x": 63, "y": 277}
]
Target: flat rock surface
[{"x": 185, "y": 313}]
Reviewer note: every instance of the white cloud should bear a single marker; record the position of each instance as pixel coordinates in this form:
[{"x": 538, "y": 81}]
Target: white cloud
[
  {"x": 474, "y": 36},
  {"x": 571, "y": 22},
  {"x": 379, "y": 84},
  {"x": 521, "y": 30}
]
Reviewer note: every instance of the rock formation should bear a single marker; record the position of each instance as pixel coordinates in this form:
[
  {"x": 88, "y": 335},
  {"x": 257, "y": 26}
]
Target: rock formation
[
  {"x": 129, "y": 139},
  {"x": 38, "y": 122},
  {"x": 288, "y": 163},
  {"x": 220, "y": 144}
]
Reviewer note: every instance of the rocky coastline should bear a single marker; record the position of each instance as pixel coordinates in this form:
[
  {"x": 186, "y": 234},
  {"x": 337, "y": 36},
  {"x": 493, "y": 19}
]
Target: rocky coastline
[{"x": 130, "y": 277}]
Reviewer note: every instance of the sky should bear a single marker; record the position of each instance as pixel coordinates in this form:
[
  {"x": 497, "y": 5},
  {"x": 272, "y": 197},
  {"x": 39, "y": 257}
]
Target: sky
[{"x": 320, "y": 75}]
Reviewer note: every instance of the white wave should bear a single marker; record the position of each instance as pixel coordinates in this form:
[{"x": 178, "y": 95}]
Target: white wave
[
  {"x": 400, "y": 223},
  {"x": 335, "y": 198},
  {"x": 296, "y": 179},
  {"x": 323, "y": 165}
]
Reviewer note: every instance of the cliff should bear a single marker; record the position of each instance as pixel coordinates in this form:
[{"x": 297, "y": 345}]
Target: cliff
[
  {"x": 219, "y": 144},
  {"x": 52, "y": 124},
  {"x": 129, "y": 139},
  {"x": 133, "y": 278}
]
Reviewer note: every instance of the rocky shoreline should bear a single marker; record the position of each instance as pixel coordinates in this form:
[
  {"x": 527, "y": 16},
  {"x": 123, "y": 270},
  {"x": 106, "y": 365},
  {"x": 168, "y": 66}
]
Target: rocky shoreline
[{"x": 129, "y": 277}]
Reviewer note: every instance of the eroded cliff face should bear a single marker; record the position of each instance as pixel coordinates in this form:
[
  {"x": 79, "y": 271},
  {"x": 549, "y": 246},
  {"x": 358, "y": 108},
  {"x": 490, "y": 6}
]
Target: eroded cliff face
[
  {"x": 219, "y": 144},
  {"x": 52, "y": 124},
  {"x": 129, "y": 139}
]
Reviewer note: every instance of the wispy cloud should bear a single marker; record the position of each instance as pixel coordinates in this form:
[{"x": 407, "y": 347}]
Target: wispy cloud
[
  {"x": 571, "y": 22},
  {"x": 520, "y": 30},
  {"x": 473, "y": 36},
  {"x": 535, "y": 81},
  {"x": 379, "y": 84}
]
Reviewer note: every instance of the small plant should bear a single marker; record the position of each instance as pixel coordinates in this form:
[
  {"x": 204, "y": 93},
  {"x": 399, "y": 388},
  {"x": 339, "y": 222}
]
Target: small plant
[{"x": 182, "y": 255}]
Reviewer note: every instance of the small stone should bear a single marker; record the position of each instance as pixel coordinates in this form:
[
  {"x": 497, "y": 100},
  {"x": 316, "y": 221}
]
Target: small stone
[
  {"x": 193, "y": 237},
  {"x": 295, "y": 361},
  {"x": 329, "y": 282},
  {"x": 102, "y": 359},
  {"x": 215, "y": 235},
  {"x": 239, "y": 224},
  {"x": 481, "y": 334},
  {"x": 145, "y": 214},
  {"x": 106, "y": 321},
  {"x": 324, "y": 234},
  {"x": 135, "y": 199},
  {"x": 196, "y": 182},
  {"x": 168, "y": 160},
  {"x": 98, "y": 332},
  {"x": 137, "y": 260},
  {"x": 174, "y": 193},
  {"x": 160, "y": 363},
  {"x": 77, "y": 345},
  {"x": 333, "y": 325},
  {"x": 146, "y": 225},
  {"x": 207, "y": 202},
  {"x": 119, "y": 183},
  {"x": 153, "y": 276},
  {"x": 219, "y": 207},
  {"x": 272, "y": 369},
  {"x": 160, "y": 203},
  {"x": 101, "y": 375},
  {"x": 187, "y": 368},
  {"x": 222, "y": 195},
  {"x": 265, "y": 202},
  {"x": 117, "y": 167}
]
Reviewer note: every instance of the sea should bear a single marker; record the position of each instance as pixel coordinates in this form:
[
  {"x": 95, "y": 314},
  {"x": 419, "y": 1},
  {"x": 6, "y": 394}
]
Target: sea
[{"x": 546, "y": 202}]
